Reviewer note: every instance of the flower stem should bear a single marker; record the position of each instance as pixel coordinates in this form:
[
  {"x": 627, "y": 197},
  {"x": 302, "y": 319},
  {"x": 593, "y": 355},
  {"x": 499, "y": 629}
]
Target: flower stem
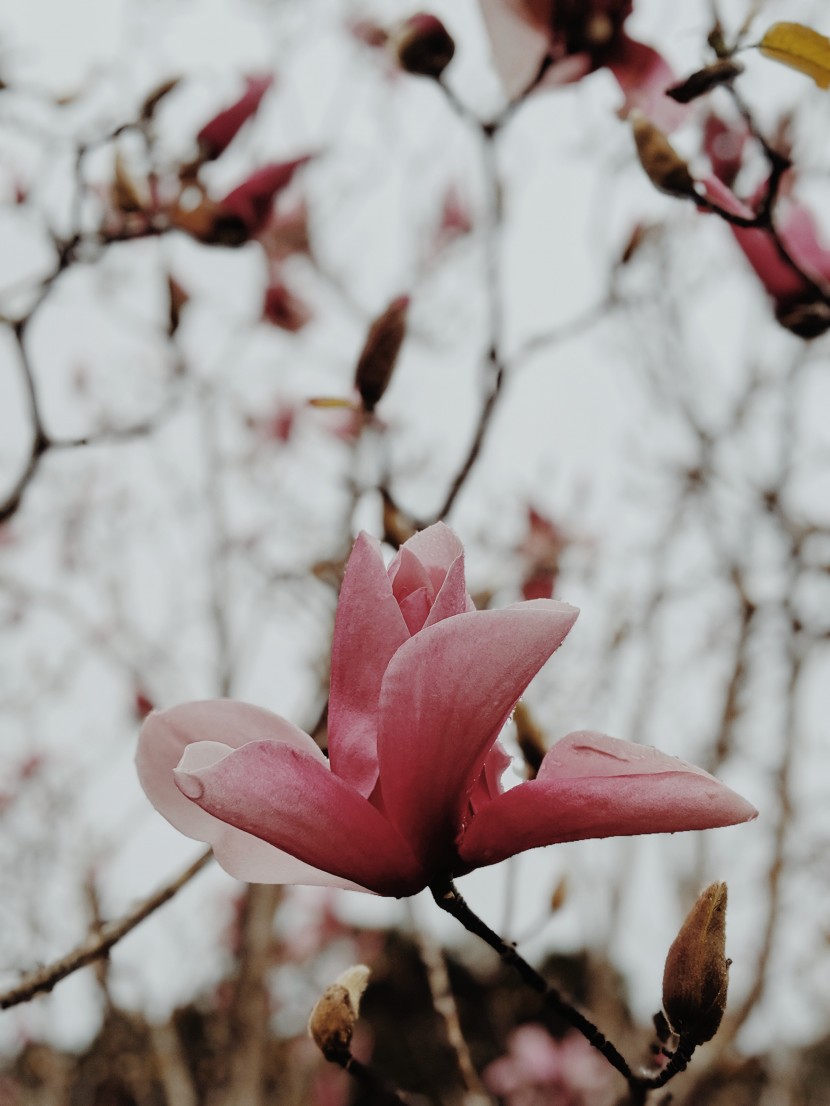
[{"x": 448, "y": 898}]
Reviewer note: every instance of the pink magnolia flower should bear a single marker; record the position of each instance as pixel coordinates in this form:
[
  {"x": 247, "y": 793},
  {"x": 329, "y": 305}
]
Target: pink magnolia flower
[
  {"x": 217, "y": 134},
  {"x": 539, "y": 1070},
  {"x": 798, "y": 231},
  {"x": 252, "y": 200},
  {"x": 421, "y": 686},
  {"x": 579, "y": 39}
]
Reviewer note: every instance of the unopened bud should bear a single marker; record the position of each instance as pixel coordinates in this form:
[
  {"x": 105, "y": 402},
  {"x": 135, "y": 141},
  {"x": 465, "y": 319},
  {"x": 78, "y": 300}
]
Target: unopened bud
[
  {"x": 696, "y": 975},
  {"x": 380, "y": 352},
  {"x": 335, "y": 1014},
  {"x": 424, "y": 46},
  {"x": 702, "y": 81},
  {"x": 664, "y": 166}
]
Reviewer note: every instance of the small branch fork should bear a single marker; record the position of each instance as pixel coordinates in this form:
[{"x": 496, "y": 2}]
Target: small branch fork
[
  {"x": 98, "y": 943},
  {"x": 448, "y": 898}
]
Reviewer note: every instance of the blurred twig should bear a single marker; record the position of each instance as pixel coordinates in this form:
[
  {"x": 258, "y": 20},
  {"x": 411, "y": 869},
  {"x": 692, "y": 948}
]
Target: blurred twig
[{"x": 99, "y": 943}]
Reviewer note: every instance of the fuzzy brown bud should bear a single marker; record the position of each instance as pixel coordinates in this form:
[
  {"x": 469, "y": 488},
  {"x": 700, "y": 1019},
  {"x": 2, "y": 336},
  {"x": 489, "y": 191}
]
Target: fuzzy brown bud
[
  {"x": 664, "y": 166},
  {"x": 424, "y": 46},
  {"x": 702, "y": 81},
  {"x": 335, "y": 1013},
  {"x": 380, "y": 352},
  {"x": 696, "y": 975}
]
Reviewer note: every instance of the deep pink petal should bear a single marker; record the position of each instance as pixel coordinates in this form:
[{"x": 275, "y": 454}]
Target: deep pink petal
[
  {"x": 216, "y": 135},
  {"x": 437, "y": 548},
  {"x": 164, "y": 738},
  {"x": 368, "y": 630},
  {"x": 488, "y": 785},
  {"x": 800, "y": 233},
  {"x": 446, "y": 695},
  {"x": 518, "y": 40},
  {"x": 644, "y": 75},
  {"x": 288, "y": 798},
  {"x": 591, "y": 785},
  {"x": 779, "y": 279}
]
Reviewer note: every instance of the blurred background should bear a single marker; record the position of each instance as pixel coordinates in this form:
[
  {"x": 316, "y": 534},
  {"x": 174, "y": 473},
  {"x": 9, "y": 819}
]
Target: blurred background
[{"x": 649, "y": 442}]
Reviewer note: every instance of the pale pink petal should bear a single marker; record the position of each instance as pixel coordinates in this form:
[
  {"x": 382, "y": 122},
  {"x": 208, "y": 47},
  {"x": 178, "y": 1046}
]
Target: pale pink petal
[
  {"x": 452, "y": 597},
  {"x": 287, "y": 797},
  {"x": 800, "y": 233},
  {"x": 415, "y": 608},
  {"x": 437, "y": 548},
  {"x": 368, "y": 630},
  {"x": 226, "y": 724},
  {"x": 644, "y": 75},
  {"x": 518, "y": 42},
  {"x": 445, "y": 697},
  {"x": 590, "y": 786},
  {"x": 408, "y": 575}
]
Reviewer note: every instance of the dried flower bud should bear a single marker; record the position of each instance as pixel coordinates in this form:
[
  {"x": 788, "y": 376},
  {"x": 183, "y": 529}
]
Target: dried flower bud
[
  {"x": 424, "y": 46},
  {"x": 664, "y": 167},
  {"x": 380, "y": 352},
  {"x": 335, "y": 1014},
  {"x": 696, "y": 974},
  {"x": 704, "y": 80}
]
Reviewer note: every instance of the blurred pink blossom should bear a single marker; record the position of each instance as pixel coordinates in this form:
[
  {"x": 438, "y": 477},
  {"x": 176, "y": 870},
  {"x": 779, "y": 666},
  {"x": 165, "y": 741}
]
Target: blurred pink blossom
[
  {"x": 252, "y": 200},
  {"x": 282, "y": 308},
  {"x": 540, "y": 550},
  {"x": 217, "y": 134},
  {"x": 421, "y": 686},
  {"x": 540, "y": 1070},
  {"x": 579, "y": 39}
]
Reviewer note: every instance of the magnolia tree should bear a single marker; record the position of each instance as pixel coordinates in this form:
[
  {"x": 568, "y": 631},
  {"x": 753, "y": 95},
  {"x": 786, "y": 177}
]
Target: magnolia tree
[{"x": 347, "y": 352}]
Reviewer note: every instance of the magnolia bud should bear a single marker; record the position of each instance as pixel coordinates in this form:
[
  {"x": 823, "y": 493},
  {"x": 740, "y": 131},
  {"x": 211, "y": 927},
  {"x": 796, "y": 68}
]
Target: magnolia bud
[
  {"x": 702, "y": 81},
  {"x": 424, "y": 46},
  {"x": 335, "y": 1014},
  {"x": 380, "y": 352},
  {"x": 696, "y": 974},
  {"x": 664, "y": 167}
]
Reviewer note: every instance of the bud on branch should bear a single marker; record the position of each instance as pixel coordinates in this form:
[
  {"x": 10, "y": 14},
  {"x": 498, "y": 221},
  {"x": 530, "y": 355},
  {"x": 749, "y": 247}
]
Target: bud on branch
[
  {"x": 696, "y": 974},
  {"x": 664, "y": 166},
  {"x": 380, "y": 352},
  {"x": 335, "y": 1014}
]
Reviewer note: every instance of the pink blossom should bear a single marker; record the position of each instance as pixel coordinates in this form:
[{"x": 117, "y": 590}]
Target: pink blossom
[
  {"x": 579, "y": 39},
  {"x": 421, "y": 685},
  {"x": 798, "y": 231},
  {"x": 284, "y": 309},
  {"x": 539, "y": 1070},
  {"x": 252, "y": 200},
  {"x": 217, "y": 134}
]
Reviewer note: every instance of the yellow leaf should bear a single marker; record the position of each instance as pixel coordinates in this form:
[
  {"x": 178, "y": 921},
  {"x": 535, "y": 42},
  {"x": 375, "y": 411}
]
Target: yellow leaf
[{"x": 801, "y": 48}]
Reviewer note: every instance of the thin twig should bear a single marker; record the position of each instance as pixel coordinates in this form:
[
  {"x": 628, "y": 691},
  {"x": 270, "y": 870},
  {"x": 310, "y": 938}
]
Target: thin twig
[{"x": 99, "y": 943}]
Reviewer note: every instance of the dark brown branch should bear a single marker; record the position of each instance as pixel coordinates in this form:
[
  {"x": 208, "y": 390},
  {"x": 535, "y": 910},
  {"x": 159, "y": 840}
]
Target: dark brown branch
[{"x": 99, "y": 943}]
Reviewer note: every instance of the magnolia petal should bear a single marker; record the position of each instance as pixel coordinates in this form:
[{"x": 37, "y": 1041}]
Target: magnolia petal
[
  {"x": 287, "y": 797},
  {"x": 780, "y": 280},
  {"x": 224, "y": 724},
  {"x": 437, "y": 548},
  {"x": 591, "y": 786},
  {"x": 368, "y": 629},
  {"x": 644, "y": 75},
  {"x": 408, "y": 575},
  {"x": 452, "y": 596},
  {"x": 446, "y": 695},
  {"x": 518, "y": 41}
]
